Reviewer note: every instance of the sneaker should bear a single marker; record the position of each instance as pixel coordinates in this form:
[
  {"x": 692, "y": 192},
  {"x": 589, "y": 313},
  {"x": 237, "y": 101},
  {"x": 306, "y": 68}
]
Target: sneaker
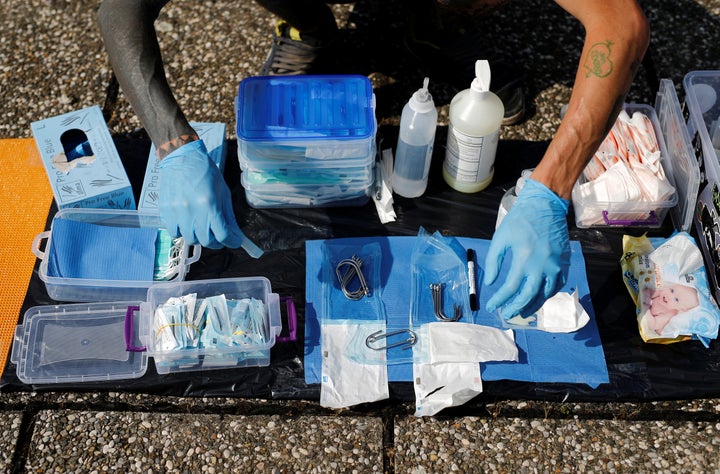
[
  {"x": 291, "y": 53},
  {"x": 450, "y": 59}
]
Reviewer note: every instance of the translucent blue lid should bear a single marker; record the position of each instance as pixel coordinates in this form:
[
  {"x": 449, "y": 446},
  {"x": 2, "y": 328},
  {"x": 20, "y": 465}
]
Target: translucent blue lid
[{"x": 337, "y": 107}]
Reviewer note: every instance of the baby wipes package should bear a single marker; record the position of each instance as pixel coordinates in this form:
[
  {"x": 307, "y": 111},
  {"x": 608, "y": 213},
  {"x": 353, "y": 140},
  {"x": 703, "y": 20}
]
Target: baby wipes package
[{"x": 667, "y": 281}]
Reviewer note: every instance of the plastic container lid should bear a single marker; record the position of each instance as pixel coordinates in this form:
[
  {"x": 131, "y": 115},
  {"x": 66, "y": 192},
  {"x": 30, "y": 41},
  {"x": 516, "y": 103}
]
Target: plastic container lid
[
  {"x": 338, "y": 107},
  {"x": 686, "y": 172},
  {"x": 75, "y": 343}
]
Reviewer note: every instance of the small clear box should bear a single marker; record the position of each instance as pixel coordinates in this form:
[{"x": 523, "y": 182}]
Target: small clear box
[
  {"x": 75, "y": 343},
  {"x": 84, "y": 289},
  {"x": 246, "y": 355},
  {"x": 595, "y": 213}
]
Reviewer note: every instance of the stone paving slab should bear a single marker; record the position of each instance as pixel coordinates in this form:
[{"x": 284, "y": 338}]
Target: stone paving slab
[
  {"x": 10, "y": 422},
  {"x": 88, "y": 441},
  {"x": 540, "y": 445}
]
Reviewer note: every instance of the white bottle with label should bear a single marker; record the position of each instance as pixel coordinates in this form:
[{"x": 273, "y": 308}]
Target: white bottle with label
[
  {"x": 415, "y": 144},
  {"x": 473, "y": 133}
]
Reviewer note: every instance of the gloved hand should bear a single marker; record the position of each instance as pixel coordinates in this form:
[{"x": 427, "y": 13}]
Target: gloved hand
[
  {"x": 195, "y": 200},
  {"x": 535, "y": 230}
]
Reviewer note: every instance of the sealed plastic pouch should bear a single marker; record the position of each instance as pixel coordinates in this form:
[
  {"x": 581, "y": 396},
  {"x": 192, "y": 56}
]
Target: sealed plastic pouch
[{"x": 440, "y": 286}]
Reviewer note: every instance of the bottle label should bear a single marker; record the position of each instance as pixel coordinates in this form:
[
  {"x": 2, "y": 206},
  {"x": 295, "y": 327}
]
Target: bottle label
[{"x": 470, "y": 159}]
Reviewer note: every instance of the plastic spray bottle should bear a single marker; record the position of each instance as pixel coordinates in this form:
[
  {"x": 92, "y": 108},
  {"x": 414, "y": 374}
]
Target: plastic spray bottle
[
  {"x": 415, "y": 144},
  {"x": 475, "y": 117}
]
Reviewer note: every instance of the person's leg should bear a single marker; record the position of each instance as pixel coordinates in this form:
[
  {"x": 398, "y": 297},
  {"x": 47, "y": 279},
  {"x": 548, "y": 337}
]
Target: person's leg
[
  {"x": 301, "y": 37},
  {"x": 309, "y": 17}
]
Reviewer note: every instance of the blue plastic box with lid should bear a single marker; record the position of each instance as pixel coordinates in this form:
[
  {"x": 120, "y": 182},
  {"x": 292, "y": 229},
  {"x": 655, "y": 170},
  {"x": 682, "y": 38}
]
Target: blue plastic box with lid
[{"x": 290, "y": 127}]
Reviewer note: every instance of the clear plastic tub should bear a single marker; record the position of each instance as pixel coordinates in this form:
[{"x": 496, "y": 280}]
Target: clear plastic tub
[
  {"x": 82, "y": 289},
  {"x": 246, "y": 355},
  {"x": 595, "y": 213},
  {"x": 702, "y": 100},
  {"x": 75, "y": 343}
]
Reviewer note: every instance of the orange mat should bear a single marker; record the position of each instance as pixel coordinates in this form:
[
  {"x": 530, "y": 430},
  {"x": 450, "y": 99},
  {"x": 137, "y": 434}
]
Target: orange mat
[{"x": 26, "y": 196}]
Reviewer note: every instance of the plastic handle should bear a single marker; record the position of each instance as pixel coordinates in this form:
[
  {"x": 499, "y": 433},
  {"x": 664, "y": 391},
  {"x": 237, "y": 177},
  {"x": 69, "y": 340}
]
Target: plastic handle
[
  {"x": 18, "y": 344},
  {"x": 291, "y": 319},
  {"x": 651, "y": 220},
  {"x": 36, "y": 244},
  {"x": 129, "y": 330},
  {"x": 195, "y": 255}
]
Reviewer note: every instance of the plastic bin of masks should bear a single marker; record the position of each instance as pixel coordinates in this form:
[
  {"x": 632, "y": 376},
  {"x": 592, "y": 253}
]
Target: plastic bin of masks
[
  {"x": 93, "y": 342},
  {"x": 702, "y": 100},
  {"x": 86, "y": 289},
  {"x": 306, "y": 141},
  {"x": 678, "y": 176}
]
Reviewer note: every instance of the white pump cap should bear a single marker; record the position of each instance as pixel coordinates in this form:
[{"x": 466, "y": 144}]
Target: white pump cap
[
  {"x": 481, "y": 83},
  {"x": 421, "y": 101}
]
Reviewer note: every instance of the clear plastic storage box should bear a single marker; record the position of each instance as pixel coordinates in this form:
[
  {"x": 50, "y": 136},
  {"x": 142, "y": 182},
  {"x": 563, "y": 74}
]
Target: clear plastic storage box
[
  {"x": 221, "y": 355},
  {"x": 702, "y": 101},
  {"x": 309, "y": 133},
  {"x": 95, "y": 342},
  {"x": 679, "y": 166},
  {"x": 83, "y": 289},
  {"x": 75, "y": 343}
]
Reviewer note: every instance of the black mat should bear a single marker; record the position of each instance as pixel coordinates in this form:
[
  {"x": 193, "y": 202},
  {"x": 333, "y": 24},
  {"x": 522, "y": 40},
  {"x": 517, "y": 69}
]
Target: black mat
[{"x": 638, "y": 371}]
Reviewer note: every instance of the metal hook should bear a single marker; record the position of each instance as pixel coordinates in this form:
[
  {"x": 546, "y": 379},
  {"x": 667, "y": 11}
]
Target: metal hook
[
  {"x": 355, "y": 264},
  {"x": 376, "y": 336},
  {"x": 436, "y": 289}
]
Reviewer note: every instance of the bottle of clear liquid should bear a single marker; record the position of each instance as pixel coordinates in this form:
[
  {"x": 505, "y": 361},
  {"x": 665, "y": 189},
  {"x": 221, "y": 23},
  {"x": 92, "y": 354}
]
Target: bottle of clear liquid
[
  {"x": 415, "y": 144},
  {"x": 473, "y": 133}
]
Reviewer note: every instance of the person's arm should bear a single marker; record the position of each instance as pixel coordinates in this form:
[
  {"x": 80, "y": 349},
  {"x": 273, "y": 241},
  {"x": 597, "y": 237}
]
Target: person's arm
[
  {"x": 616, "y": 38},
  {"x": 195, "y": 201},
  {"x": 132, "y": 46},
  {"x": 535, "y": 230}
]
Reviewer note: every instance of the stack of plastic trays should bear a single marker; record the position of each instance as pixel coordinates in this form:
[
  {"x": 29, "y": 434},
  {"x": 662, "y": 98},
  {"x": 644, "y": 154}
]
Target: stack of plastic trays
[{"x": 306, "y": 141}]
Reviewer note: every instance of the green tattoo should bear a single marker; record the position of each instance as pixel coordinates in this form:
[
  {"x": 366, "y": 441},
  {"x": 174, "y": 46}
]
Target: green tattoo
[{"x": 598, "y": 62}]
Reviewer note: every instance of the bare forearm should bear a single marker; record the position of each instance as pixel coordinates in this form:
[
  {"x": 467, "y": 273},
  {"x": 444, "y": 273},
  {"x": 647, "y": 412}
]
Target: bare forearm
[
  {"x": 132, "y": 46},
  {"x": 613, "y": 50}
]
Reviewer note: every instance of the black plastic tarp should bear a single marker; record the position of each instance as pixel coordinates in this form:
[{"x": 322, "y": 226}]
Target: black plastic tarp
[{"x": 637, "y": 370}]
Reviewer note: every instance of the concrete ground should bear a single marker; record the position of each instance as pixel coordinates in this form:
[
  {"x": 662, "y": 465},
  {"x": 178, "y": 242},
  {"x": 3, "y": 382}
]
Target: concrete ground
[{"x": 53, "y": 61}]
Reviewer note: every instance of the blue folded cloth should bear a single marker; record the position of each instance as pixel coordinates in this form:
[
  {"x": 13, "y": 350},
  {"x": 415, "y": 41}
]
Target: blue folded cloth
[{"x": 99, "y": 252}]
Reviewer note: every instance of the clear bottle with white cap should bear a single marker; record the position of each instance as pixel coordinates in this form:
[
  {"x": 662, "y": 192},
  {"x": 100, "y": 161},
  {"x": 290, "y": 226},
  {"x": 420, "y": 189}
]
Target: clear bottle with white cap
[
  {"x": 415, "y": 144},
  {"x": 473, "y": 133}
]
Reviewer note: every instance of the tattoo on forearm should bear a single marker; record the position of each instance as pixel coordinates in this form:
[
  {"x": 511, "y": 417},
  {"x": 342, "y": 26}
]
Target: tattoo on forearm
[
  {"x": 598, "y": 62},
  {"x": 168, "y": 147},
  {"x": 620, "y": 100}
]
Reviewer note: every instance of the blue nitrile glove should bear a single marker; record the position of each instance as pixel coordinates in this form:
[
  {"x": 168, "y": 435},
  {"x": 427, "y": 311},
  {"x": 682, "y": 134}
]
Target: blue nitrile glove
[
  {"x": 195, "y": 200},
  {"x": 535, "y": 230}
]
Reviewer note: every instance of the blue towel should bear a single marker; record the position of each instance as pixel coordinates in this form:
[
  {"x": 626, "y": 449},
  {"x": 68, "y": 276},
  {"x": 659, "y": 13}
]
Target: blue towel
[
  {"x": 98, "y": 252},
  {"x": 543, "y": 356}
]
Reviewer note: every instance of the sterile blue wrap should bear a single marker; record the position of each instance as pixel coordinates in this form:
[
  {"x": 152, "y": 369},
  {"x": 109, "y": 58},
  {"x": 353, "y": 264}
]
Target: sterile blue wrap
[
  {"x": 543, "y": 356},
  {"x": 92, "y": 251}
]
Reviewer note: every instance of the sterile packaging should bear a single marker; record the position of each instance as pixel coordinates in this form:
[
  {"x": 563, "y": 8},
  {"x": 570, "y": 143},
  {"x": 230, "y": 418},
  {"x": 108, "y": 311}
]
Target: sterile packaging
[
  {"x": 702, "y": 91},
  {"x": 81, "y": 161},
  {"x": 220, "y": 354},
  {"x": 306, "y": 141},
  {"x": 106, "y": 341},
  {"x": 87, "y": 289},
  {"x": 615, "y": 197},
  {"x": 211, "y": 133}
]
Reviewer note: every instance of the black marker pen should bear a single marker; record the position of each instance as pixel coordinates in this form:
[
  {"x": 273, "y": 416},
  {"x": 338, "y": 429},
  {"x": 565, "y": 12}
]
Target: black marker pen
[{"x": 472, "y": 276}]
